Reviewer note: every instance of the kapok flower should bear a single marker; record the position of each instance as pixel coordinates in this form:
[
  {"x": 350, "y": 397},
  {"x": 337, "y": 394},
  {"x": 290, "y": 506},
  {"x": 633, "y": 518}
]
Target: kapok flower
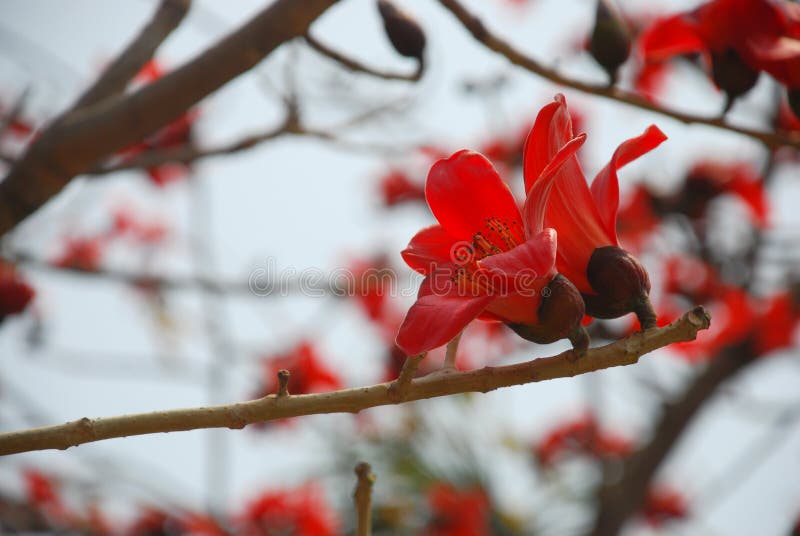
[
  {"x": 739, "y": 38},
  {"x": 482, "y": 261},
  {"x": 15, "y": 292},
  {"x": 613, "y": 282}
]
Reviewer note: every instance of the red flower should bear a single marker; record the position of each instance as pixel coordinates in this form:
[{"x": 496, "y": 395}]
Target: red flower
[
  {"x": 664, "y": 504},
  {"x": 308, "y": 372},
  {"x": 776, "y": 323},
  {"x": 483, "y": 261},
  {"x": 301, "y": 512},
  {"x": 15, "y": 292},
  {"x": 738, "y": 38},
  {"x": 396, "y": 187},
  {"x": 611, "y": 280},
  {"x": 580, "y": 436},
  {"x": 456, "y": 512},
  {"x": 81, "y": 253}
]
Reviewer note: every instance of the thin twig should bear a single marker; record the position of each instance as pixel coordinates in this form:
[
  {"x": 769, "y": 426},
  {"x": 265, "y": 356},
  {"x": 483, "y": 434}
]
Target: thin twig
[
  {"x": 492, "y": 41},
  {"x": 362, "y": 497},
  {"x": 354, "y": 65},
  {"x": 283, "y": 383},
  {"x": 623, "y": 352},
  {"x": 451, "y": 352},
  {"x": 399, "y": 387}
]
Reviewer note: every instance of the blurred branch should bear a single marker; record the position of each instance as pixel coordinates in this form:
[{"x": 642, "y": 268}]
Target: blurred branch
[
  {"x": 362, "y": 497},
  {"x": 188, "y": 153},
  {"x": 238, "y": 415},
  {"x": 255, "y": 287},
  {"x": 620, "y": 499},
  {"x": 354, "y": 65},
  {"x": 115, "y": 78},
  {"x": 75, "y": 142},
  {"x": 493, "y": 42}
]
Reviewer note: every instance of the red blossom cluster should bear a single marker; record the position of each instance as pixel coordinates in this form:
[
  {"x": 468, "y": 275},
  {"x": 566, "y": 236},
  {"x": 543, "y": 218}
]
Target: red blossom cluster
[
  {"x": 738, "y": 39},
  {"x": 457, "y": 512},
  {"x": 580, "y": 436},
  {"x": 300, "y": 511},
  {"x": 538, "y": 270},
  {"x": 309, "y": 373}
]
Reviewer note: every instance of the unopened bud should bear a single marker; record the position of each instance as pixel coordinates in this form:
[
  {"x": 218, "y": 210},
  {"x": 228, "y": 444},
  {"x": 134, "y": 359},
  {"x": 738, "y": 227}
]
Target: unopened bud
[
  {"x": 610, "y": 44},
  {"x": 621, "y": 286},
  {"x": 560, "y": 313},
  {"x": 732, "y": 74},
  {"x": 406, "y": 36},
  {"x": 794, "y": 101}
]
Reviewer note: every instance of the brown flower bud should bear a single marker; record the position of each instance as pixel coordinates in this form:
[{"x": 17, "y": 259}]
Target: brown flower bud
[
  {"x": 610, "y": 44},
  {"x": 621, "y": 286},
  {"x": 560, "y": 313},
  {"x": 406, "y": 36},
  {"x": 732, "y": 75},
  {"x": 794, "y": 101}
]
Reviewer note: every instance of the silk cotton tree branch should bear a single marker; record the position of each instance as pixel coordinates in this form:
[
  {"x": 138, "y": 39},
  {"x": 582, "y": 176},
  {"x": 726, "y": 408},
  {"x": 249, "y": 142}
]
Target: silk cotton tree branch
[
  {"x": 77, "y": 141},
  {"x": 626, "y": 351},
  {"x": 494, "y": 42}
]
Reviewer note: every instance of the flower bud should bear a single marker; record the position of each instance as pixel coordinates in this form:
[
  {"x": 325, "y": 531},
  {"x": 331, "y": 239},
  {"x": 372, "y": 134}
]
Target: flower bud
[
  {"x": 610, "y": 44},
  {"x": 406, "y": 36},
  {"x": 560, "y": 313},
  {"x": 794, "y": 101},
  {"x": 621, "y": 286},
  {"x": 732, "y": 75}
]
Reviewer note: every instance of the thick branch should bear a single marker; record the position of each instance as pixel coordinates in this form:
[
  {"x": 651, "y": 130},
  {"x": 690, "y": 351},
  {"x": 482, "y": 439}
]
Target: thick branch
[
  {"x": 620, "y": 500},
  {"x": 624, "y": 352},
  {"x": 74, "y": 144},
  {"x": 115, "y": 78},
  {"x": 353, "y": 65},
  {"x": 493, "y": 42}
]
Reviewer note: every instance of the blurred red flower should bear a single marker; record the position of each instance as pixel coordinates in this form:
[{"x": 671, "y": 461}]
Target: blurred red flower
[
  {"x": 301, "y": 511},
  {"x": 15, "y": 292},
  {"x": 309, "y": 373},
  {"x": 457, "y": 512}
]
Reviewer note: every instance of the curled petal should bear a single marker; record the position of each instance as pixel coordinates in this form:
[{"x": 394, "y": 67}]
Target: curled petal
[{"x": 605, "y": 188}]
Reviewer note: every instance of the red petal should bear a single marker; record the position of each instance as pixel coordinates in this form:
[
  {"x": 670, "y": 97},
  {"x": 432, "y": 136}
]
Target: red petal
[
  {"x": 605, "y": 188},
  {"x": 536, "y": 201},
  {"x": 670, "y": 37},
  {"x": 535, "y": 257},
  {"x": 429, "y": 247},
  {"x": 464, "y": 190},
  {"x": 436, "y": 318}
]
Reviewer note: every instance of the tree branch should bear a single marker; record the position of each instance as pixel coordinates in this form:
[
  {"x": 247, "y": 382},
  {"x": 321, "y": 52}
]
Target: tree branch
[
  {"x": 115, "y": 78},
  {"x": 623, "y": 352},
  {"x": 75, "y": 143},
  {"x": 493, "y": 42},
  {"x": 354, "y": 65}
]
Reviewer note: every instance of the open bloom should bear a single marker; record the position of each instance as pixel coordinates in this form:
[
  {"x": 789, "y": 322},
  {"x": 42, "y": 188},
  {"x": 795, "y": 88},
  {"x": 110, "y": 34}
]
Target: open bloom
[
  {"x": 738, "y": 38},
  {"x": 483, "y": 261},
  {"x": 611, "y": 280}
]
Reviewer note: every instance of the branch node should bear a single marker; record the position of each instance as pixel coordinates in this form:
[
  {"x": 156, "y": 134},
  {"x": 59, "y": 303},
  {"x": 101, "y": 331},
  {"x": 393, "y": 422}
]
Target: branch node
[
  {"x": 399, "y": 388},
  {"x": 362, "y": 497},
  {"x": 283, "y": 383}
]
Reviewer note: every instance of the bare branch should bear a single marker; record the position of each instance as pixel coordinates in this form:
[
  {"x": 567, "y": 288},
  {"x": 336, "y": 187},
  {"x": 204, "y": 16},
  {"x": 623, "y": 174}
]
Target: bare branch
[
  {"x": 75, "y": 143},
  {"x": 354, "y": 65},
  {"x": 362, "y": 497},
  {"x": 623, "y": 352},
  {"x": 115, "y": 78},
  {"x": 493, "y": 42}
]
